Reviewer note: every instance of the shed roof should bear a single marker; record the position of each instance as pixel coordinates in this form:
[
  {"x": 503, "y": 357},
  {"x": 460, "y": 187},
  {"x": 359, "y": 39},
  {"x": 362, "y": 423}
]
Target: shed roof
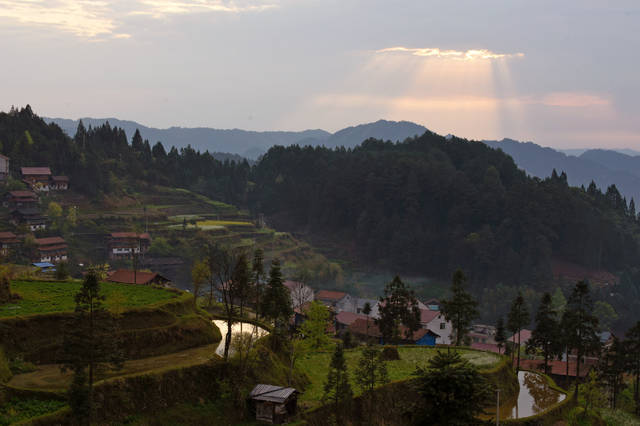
[
  {"x": 50, "y": 240},
  {"x": 330, "y": 295},
  {"x": 277, "y": 394},
  {"x": 35, "y": 171},
  {"x": 126, "y": 276}
]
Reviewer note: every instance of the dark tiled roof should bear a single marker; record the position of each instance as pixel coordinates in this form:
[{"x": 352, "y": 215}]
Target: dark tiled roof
[
  {"x": 36, "y": 171},
  {"x": 330, "y": 295},
  {"x": 50, "y": 240},
  {"x": 277, "y": 394}
]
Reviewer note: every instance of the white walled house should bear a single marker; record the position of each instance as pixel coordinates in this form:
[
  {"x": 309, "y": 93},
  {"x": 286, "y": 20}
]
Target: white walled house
[{"x": 434, "y": 320}]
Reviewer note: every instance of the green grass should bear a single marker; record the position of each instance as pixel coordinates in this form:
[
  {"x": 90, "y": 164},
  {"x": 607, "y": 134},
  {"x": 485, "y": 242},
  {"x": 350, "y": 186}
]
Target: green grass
[
  {"x": 16, "y": 410},
  {"x": 619, "y": 417},
  {"x": 203, "y": 223},
  {"x": 316, "y": 365},
  {"x": 40, "y": 297}
]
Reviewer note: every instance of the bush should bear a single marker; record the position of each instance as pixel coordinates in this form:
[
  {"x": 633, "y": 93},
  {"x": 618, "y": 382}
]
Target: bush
[
  {"x": 390, "y": 353},
  {"x": 5, "y": 371},
  {"x": 62, "y": 271}
]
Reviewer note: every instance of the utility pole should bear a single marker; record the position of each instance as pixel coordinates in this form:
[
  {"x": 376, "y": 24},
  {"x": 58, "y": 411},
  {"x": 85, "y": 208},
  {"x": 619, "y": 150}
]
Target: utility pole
[{"x": 498, "y": 408}]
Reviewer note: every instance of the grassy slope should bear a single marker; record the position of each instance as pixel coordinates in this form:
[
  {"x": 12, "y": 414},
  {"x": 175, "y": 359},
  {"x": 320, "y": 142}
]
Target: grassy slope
[
  {"x": 40, "y": 297},
  {"x": 316, "y": 365}
]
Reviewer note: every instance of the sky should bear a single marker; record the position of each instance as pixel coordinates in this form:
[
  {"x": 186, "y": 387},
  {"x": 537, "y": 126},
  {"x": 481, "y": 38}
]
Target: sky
[{"x": 561, "y": 74}]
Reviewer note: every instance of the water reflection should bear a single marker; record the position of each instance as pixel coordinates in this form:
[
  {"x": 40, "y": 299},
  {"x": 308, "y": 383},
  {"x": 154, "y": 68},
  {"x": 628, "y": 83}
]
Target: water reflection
[
  {"x": 534, "y": 397},
  {"x": 237, "y": 329}
]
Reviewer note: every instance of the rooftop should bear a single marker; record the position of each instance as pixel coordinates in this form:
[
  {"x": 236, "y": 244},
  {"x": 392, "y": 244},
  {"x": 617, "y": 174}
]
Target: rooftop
[
  {"x": 126, "y": 276},
  {"x": 348, "y": 318},
  {"x": 143, "y": 236},
  {"x": 50, "y": 240},
  {"x": 270, "y": 393},
  {"x": 427, "y": 315},
  {"x": 330, "y": 295},
  {"x": 35, "y": 171},
  {"x": 22, "y": 194},
  {"x": 524, "y": 336}
]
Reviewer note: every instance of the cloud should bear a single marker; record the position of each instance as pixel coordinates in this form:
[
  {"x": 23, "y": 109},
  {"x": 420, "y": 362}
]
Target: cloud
[
  {"x": 434, "y": 52},
  {"x": 573, "y": 100},
  {"x": 97, "y": 18}
]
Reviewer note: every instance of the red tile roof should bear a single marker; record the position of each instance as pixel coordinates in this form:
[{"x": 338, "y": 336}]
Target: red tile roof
[
  {"x": 427, "y": 315},
  {"x": 52, "y": 248},
  {"x": 9, "y": 237},
  {"x": 127, "y": 277},
  {"x": 359, "y": 326},
  {"x": 330, "y": 295},
  {"x": 50, "y": 240},
  {"x": 22, "y": 194},
  {"x": 348, "y": 318},
  {"x": 524, "y": 336},
  {"x": 36, "y": 171}
]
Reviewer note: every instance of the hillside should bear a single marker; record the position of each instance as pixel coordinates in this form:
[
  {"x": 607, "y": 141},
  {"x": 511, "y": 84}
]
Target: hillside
[
  {"x": 604, "y": 167},
  {"x": 249, "y": 144}
]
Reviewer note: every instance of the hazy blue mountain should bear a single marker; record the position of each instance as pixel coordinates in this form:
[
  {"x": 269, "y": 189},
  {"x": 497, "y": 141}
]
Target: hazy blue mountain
[
  {"x": 251, "y": 144},
  {"x": 602, "y": 166},
  {"x": 578, "y": 152}
]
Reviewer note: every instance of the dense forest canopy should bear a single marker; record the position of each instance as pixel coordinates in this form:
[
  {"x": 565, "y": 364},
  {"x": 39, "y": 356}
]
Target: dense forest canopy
[
  {"x": 101, "y": 161},
  {"x": 430, "y": 205}
]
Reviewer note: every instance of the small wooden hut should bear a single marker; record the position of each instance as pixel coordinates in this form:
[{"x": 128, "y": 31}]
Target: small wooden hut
[{"x": 274, "y": 404}]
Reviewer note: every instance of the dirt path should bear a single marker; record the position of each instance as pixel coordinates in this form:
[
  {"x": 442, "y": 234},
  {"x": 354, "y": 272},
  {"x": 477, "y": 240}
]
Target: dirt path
[{"x": 49, "y": 377}]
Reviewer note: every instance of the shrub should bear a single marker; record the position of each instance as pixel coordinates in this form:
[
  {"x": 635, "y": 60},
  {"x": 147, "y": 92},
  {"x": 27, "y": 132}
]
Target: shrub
[{"x": 390, "y": 353}]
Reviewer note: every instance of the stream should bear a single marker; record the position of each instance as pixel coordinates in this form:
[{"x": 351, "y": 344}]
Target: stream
[
  {"x": 237, "y": 329},
  {"x": 534, "y": 397}
]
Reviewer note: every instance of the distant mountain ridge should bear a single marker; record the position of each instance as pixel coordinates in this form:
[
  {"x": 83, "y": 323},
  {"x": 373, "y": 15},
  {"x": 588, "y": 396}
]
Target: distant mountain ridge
[
  {"x": 251, "y": 144},
  {"x": 604, "y": 167}
]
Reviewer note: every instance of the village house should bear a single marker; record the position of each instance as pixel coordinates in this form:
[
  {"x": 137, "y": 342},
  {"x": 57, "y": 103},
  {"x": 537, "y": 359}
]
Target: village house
[
  {"x": 344, "y": 319},
  {"x": 366, "y": 330},
  {"x": 358, "y": 304},
  {"x": 59, "y": 183},
  {"x": 122, "y": 245},
  {"x": 8, "y": 242},
  {"x": 31, "y": 217},
  {"x": 300, "y": 293},
  {"x": 4, "y": 167},
  {"x": 274, "y": 404},
  {"x": 125, "y": 276},
  {"x": 481, "y": 333},
  {"x": 51, "y": 249},
  {"x": 18, "y": 199},
  {"x": 337, "y": 300},
  {"x": 431, "y": 318},
  {"x": 38, "y": 178}
]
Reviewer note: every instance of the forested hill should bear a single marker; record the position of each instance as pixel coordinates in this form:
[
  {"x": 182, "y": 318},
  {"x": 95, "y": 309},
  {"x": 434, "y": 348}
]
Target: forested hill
[
  {"x": 101, "y": 160},
  {"x": 430, "y": 205}
]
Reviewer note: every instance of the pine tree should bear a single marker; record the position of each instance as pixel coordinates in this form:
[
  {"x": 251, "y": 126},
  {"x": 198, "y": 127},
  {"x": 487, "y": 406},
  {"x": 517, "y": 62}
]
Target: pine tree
[
  {"x": 370, "y": 372},
  {"x": 612, "y": 365},
  {"x": 500, "y": 337},
  {"x": 90, "y": 345},
  {"x": 276, "y": 304},
  {"x": 257, "y": 266},
  {"x": 582, "y": 325},
  {"x": 461, "y": 308},
  {"x": 399, "y": 306},
  {"x": 337, "y": 389},
  {"x": 632, "y": 349},
  {"x": 517, "y": 320},
  {"x": 545, "y": 334}
]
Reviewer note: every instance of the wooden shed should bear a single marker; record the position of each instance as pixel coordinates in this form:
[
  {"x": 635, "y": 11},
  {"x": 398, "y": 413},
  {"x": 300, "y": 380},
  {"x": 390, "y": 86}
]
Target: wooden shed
[{"x": 274, "y": 404}]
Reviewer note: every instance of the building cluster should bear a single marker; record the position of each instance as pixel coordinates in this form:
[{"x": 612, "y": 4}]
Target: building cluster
[{"x": 348, "y": 314}]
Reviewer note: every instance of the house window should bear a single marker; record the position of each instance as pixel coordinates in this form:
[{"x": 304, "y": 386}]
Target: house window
[{"x": 443, "y": 325}]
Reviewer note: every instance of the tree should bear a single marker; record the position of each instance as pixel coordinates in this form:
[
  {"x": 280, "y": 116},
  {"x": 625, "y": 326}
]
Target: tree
[
  {"x": 90, "y": 345},
  {"x": 337, "y": 390},
  {"x": 54, "y": 211},
  {"x": 399, "y": 306},
  {"x": 62, "y": 271},
  {"x": 612, "y": 365},
  {"x": 242, "y": 286},
  {"x": 199, "y": 276},
  {"x": 500, "y": 337},
  {"x": 593, "y": 395},
  {"x": 632, "y": 349},
  {"x": 545, "y": 334},
  {"x": 6, "y": 274},
  {"x": 605, "y": 313},
  {"x": 461, "y": 308},
  {"x": 276, "y": 304},
  {"x": 366, "y": 309},
  {"x": 300, "y": 294},
  {"x": 581, "y": 325},
  {"x": 314, "y": 327},
  {"x": 558, "y": 302},
  {"x": 451, "y": 390},
  {"x": 257, "y": 266},
  {"x": 518, "y": 318},
  {"x": 370, "y": 372}
]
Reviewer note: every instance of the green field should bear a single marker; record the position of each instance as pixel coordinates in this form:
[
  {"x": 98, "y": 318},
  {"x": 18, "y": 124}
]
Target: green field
[
  {"x": 16, "y": 410},
  {"x": 40, "y": 297},
  {"x": 316, "y": 365}
]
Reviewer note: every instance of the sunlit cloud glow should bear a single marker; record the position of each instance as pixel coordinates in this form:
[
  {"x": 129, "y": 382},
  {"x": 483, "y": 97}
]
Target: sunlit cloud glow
[
  {"x": 96, "y": 18},
  {"x": 434, "y": 52}
]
